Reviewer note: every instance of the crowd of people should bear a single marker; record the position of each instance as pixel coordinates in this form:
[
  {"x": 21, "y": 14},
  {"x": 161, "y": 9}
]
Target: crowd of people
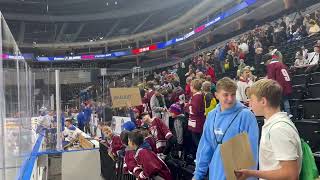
[
  {"x": 249, "y": 47},
  {"x": 183, "y": 120},
  {"x": 188, "y": 112}
]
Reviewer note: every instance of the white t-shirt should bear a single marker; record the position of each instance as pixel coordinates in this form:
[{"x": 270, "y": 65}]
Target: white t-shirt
[
  {"x": 279, "y": 143},
  {"x": 244, "y": 47},
  {"x": 241, "y": 90}
]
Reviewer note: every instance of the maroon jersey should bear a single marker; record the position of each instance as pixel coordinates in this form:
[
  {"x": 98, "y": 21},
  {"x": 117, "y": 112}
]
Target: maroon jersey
[
  {"x": 148, "y": 96},
  {"x": 188, "y": 92},
  {"x": 196, "y": 111},
  {"x": 147, "y": 99},
  {"x": 129, "y": 162},
  {"x": 279, "y": 72},
  {"x": 149, "y": 165},
  {"x": 161, "y": 133},
  {"x": 115, "y": 145},
  {"x": 139, "y": 122},
  {"x": 152, "y": 142}
]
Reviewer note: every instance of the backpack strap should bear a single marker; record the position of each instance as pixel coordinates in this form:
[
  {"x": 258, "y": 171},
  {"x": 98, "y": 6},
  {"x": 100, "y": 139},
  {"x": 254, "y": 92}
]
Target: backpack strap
[
  {"x": 234, "y": 118},
  {"x": 295, "y": 129}
]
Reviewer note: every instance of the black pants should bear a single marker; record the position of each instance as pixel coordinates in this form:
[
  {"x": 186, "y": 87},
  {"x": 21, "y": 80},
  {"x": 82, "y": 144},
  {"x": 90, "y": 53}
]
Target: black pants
[
  {"x": 81, "y": 127},
  {"x": 195, "y": 142},
  {"x": 87, "y": 128}
]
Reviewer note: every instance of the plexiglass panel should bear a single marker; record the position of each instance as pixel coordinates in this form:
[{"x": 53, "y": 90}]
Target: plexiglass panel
[{"x": 17, "y": 135}]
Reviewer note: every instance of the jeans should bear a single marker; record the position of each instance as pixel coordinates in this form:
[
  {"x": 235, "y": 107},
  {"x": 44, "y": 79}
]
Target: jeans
[
  {"x": 222, "y": 66},
  {"x": 178, "y": 127}
]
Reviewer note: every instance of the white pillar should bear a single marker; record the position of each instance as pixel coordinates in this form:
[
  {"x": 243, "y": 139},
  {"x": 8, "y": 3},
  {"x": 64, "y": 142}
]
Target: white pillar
[
  {"x": 52, "y": 102},
  {"x": 58, "y": 110}
]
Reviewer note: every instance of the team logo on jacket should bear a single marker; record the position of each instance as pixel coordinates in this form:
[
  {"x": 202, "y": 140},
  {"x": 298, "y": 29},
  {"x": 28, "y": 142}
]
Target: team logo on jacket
[
  {"x": 218, "y": 132},
  {"x": 153, "y": 131}
]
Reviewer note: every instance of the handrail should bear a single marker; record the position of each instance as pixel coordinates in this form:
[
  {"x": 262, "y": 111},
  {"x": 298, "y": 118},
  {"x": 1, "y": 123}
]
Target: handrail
[{"x": 26, "y": 169}]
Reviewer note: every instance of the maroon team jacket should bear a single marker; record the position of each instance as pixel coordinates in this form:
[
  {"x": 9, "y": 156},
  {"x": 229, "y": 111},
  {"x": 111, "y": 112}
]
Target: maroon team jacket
[
  {"x": 115, "y": 145},
  {"x": 129, "y": 162},
  {"x": 152, "y": 143},
  {"x": 279, "y": 72},
  {"x": 196, "y": 113},
  {"x": 147, "y": 98},
  {"x": 161, "y": 134},
  {"x": 149, "y": 165}
]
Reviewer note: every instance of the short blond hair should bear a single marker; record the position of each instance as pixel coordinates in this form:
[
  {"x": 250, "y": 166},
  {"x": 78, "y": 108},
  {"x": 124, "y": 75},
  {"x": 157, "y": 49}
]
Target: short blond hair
[
  {"x": 196, "y": 84},
  {"x": 206, "y": 86},
  {"x": 269, "y": 89},
  {"x": 227, "y": 84},
  {"x": 106, "y": 129},
  {"x": 247, "y": 68}
]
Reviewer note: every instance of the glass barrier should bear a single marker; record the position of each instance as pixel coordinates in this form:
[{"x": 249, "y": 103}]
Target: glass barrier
[
  {"x": 79, "y": 89},
  {"x": 17, "y": 136},
  {"x": 28, "y": 104}
]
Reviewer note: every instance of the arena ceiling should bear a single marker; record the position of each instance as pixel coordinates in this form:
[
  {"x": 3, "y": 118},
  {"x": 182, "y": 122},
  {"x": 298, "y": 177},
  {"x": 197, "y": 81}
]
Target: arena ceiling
[
  {"x": 59, "y": 21},
  {"x": 88, "y": 8}
]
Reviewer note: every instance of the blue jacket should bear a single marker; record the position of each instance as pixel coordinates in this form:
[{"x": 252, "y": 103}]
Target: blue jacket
[
  {"x": 87, "y": 114},
  {"x": 81, "y": 119},
  {"x": 62, "y": 121},
  {"x": 208, "y": 153},
  {"x": 222, "y": 54}
]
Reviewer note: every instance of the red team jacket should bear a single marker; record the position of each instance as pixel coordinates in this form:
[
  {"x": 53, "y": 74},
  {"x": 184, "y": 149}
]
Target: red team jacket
[
  {"x": 211, "y": 73},
  {"x": 129, "y": 162},
  {"x": 147, "y": 98},
  {"x": 139, "y": 122},
  {"x": 279, "y": 72},
  {"x": 188, "y": 91},
  {"x": 152, "y": 142},
  {"x": 161, "y": 134},
  {"x": 150, "y": 165},
  {"x": 196, "y": 113},
  {"x": 115, "y": 145}
]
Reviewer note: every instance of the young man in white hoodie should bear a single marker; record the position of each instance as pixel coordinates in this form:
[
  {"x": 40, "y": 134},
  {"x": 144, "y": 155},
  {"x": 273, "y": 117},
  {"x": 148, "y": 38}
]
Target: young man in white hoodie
[
  {"x": 280, "y": 155},
  {"x": 243, "y": 83}
]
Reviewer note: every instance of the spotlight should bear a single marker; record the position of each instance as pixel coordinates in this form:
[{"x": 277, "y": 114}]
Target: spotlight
[{"x": 116, "y": 2}]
